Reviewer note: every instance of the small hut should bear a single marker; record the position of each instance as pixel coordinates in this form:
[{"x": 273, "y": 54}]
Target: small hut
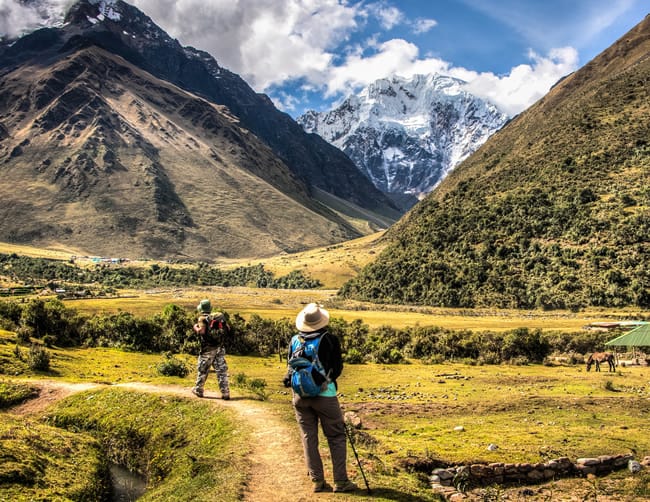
[{"x": 638, "y": 337}]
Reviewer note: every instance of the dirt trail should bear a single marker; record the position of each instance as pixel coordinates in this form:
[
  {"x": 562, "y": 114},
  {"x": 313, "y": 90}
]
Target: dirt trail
[
  {"x": 277, "y": 468},
  {"x": 278, "y": 471}
]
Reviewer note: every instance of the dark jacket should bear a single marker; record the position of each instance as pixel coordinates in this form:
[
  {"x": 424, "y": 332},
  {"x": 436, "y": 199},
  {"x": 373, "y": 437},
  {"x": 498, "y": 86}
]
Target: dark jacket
[
  {"x": 210, "y": 339},
  {"x": 329, "y": 353}
]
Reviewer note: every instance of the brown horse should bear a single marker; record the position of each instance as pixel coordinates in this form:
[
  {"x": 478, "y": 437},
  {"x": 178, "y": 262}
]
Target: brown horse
[{"x": 601, "y": 357}]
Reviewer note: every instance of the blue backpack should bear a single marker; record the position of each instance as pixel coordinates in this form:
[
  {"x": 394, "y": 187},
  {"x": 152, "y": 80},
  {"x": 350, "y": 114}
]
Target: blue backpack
[{"x": 308, "y": 376}]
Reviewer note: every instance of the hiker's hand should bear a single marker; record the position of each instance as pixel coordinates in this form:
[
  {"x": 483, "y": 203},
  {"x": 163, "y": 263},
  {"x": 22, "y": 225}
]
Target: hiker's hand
[{"x": 287, "y": 381}]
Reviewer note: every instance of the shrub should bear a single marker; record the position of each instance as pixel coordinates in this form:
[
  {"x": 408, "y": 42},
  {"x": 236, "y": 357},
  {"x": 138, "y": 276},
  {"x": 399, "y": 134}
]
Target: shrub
[
  {"x": 38, "y": 358},
  {"x": 519, "y": 361},
  {"x": 24, "y": 334},
  {"x": 354, "y": 356},
  {"x": 256, "y": 385},
  {"x": 7, "y": 324},
  {"x": 489, "y": 357},
  {"x": 176, "y": 323},
  {"x": 435, "y": 359},
  {"x": 171, "y": 366}
]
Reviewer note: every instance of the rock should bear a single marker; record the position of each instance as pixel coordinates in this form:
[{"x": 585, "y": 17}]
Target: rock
[
  {"x": 353, "y": 419},
  {"x": 535, "y": 475},
  {"x": 588, "y": 461},
  {"x": 459, "y": 428},
  {"x": 633, "y": 466},
  {"x": 492, "y": 447}
]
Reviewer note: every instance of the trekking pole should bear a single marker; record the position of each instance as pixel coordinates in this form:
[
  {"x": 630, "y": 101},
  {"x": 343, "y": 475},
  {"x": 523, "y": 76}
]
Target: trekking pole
[{"x": 348, "y": 432}]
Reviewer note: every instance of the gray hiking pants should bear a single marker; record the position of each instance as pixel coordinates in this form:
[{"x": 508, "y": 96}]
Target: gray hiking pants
[
  {"x": 215, "y": 357},
  {"x": 311, "y": 410}
]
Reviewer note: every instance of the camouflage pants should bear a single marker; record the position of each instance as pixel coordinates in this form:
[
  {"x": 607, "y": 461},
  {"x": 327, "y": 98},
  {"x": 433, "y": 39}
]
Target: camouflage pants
[{"x": 215, "y": 357}]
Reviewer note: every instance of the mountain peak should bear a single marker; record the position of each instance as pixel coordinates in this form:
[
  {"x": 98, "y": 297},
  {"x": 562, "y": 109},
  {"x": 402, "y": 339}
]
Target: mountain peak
[{"x": 406, "y": 134}]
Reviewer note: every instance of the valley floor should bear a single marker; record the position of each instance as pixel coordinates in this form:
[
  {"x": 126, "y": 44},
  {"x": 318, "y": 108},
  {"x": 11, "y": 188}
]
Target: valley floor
[{"x": 277, "y": 470}]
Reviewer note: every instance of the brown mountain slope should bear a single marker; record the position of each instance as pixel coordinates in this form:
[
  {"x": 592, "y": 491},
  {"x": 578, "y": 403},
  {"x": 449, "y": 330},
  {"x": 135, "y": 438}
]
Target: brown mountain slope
[
  {"x": 98, "y": 155},
  {"x": 552, "y": 212}
]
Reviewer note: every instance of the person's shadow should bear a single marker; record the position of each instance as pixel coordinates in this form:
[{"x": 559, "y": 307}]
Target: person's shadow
[
  {"x": 218, "y": 398},
  {"x": 389, "y": 494}
]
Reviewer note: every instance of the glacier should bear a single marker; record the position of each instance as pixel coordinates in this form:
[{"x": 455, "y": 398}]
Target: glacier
[{"x": 407, "y": 134}]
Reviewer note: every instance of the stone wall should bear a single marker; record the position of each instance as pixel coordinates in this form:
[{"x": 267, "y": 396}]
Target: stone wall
[{"x": 446, "y": 480}]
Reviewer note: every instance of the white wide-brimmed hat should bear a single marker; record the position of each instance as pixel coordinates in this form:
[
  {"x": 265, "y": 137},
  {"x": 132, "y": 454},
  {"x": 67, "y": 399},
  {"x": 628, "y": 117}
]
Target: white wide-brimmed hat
[{"x": 312, "y": 318}]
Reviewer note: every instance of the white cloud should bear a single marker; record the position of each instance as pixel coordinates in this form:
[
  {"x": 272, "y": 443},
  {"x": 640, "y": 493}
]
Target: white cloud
[
  {"x": 512, "y": 93},
  {"x": 17, "y": 18},
  {"x": 388, "y": 16},
  {"x": 272, "y": 42},
  {"x": 423, "y": 25},
  {"x": 525, "y": 84},
  {"x": 265, "y": 41}
]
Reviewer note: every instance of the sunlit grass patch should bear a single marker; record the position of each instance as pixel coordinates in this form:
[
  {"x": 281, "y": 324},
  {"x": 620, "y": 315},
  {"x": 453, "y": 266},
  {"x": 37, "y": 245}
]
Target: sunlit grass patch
[
  {"x": 12, "y": 393},
  {"x": 185, "y": 448},
  {"x": 531, "y": 413},
  {"x": 39, "y": 462}
]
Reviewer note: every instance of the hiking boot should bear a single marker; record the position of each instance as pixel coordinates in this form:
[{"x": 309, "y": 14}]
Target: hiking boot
[
  {"x": 225, "y": 397},
  {"x": 321, "y": 486},
  {"x": 197, "y": 392},
  {"x": 345, "y": 486}
]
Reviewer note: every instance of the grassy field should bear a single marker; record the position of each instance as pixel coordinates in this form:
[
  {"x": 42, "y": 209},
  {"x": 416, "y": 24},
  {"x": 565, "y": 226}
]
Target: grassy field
[
  {"x": 276, "y": 304},
  {"x": 532, "y": 413},
  {"x": 331, "y": 265}
]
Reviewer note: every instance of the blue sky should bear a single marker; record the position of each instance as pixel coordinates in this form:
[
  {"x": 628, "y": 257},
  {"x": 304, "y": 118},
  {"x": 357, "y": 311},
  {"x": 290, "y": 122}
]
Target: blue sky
[{"x": 310, "y": 54}]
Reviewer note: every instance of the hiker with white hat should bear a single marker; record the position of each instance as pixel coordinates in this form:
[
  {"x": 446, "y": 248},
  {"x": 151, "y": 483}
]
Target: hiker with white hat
[{"x": 314, "y": 345}]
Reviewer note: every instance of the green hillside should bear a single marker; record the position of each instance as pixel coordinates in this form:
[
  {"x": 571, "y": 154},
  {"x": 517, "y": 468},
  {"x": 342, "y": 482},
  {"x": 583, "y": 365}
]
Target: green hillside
[{"x": 552, "y": 212}]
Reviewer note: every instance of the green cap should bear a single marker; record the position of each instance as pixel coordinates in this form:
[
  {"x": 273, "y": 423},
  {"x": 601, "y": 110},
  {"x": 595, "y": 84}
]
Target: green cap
[{"x": 204, "y": 307}]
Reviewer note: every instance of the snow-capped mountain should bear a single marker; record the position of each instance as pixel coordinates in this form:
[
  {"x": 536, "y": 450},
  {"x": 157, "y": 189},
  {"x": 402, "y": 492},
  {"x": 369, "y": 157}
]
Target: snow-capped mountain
[{"x": 407, "y": 134}]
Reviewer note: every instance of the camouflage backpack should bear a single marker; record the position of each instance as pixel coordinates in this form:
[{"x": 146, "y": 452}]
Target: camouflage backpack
[{"x": 216, "y": 331}]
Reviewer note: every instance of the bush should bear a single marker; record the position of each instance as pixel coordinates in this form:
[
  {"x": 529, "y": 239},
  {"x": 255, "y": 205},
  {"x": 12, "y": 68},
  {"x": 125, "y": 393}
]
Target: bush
[
  {"x": 519, "y": 361},
  {"x": 38, "y": 358},
  {"x": 24, "y": 334},
  {"x": 256, "y": 385},
  {"x": 354, "y": 356},
  {"x": 609, "y": 385},
  {"x": 435, "y": 359},
  {"x": 7, "y": 324},
  {"x": 171, "y": 366},
  {"x": 489, "y": 357}
]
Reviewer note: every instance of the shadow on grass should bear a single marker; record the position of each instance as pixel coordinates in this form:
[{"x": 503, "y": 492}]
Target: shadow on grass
[{"x": 388, "y": 494}]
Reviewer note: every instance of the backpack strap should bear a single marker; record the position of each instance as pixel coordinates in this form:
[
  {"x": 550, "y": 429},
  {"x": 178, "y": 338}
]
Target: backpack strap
[{"x": 304, "y": 337}]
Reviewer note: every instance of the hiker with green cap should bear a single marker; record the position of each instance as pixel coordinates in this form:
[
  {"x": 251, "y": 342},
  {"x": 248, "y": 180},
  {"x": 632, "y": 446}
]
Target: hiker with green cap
[
  {"x": 315, "y": 343},
  {"x": 212, "y": 330}
]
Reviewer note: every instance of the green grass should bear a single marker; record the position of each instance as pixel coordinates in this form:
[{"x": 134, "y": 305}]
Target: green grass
[
  {"x": 277, "y": 304},
  {"x": 532, "y": 413},
  {"x": 40, "y": 462},
  {"x": 13, "y": 393},
  {"x": 185, "y": 449}
]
